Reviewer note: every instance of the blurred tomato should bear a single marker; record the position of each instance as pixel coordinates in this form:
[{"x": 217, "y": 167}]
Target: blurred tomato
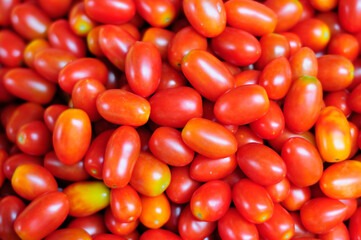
[
  {"x": 10, "y": 208},
  {"x": 11, "y": 48},
  {"x": 69, "y": 233}
]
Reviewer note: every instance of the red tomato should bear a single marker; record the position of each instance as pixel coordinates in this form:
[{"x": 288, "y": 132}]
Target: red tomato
[
  {"x": 244, "y": 135},
  {"x": 340, "y": 232},
  {"x": 125, "y": 204},
  {"x": 300, "y": 231},
  {"x": 186, "y": 104},
  {"x": 279, "y": 191},
  {"x": 296, "y": 198},
  {"x": 117, "y": 227},
  {"x": 10, "y": 208},
  {"x": 344, "y": 44},
  {"x": 12, "y": 162},
  {"x": 323, "y": 6},
  {"x": 5, "y": 96},
  {"x": 11, "y": 48},
  {"x": 93, "y": 43},
  {"x": 158, "y": 13},
  {"x": 303, "y": 62},
  {"x": 354, "y": 99},
  {"x": 167, "y": 145},
  {"x": 73, "y": 173},
  {"x": 55, "y": 8},
  {"x": 209, "y": 138},
  {"x": 242, "y": 105},
  {"x": 107, "y": 236},
  {"x": 233, "y": 226},
  {"x": 240, "y": 13},
  {"x": 205, "y": 169},
  {"x": 349, "y": 15},
  {"x": 67, "y": 233},
  {"x": 155, "y": 211},
  {"x": 28, "y": 85},
  {"x": 172, "y": 224},
  {"x": 160, "y": 38},
  {"x": 293, "y": 40},
  {"x": 340, "y": 99},
  {"x": 3, "y": 157},
  {"x": 208, "y": 17},
  {"x": 354, "y": 225},
  {"x": 150, "y": 176},
  {"x": 6, "y": 7},
  {"x": 320, "y": 215},
  {"x": 351, "y": 205},
  {"x": 87, "y": 197},
  {"x": 304, "y": 163},
  {"x": 303, "y": 103},
  {"x": 182, "y": 185},
  {"x": 143, "y": 67},
  {"x": 93, "y": 224},
  {"x": 52, "y": 113},
  {"x": 47, "y": 212},
  {"x": 155, "y": 234},
  {"x": 333, "y": 135},
  {"x": 79, "y": 21},
  {"x": 279, "y": 226},
  {"x": 333, "y": 22},
  {"x": 261, "y": 164}
]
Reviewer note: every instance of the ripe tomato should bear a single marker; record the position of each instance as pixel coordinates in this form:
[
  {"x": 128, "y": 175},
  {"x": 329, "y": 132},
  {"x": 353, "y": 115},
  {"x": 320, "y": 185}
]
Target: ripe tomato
[
  {"x": 279, "y": 191},
  {"x": 303, "y": 62},
  {"x": 354, "y": 225},
  {"x": 93, "y": 224},
  {"x": 80, "y": 22},
  {"x": 158, "y": 13},
  {"x": 155, "y": 234},
  {"x": 5, "y": 11},
  {"x": 160, "y": 38},
  {"x": 349, "y": 15},
  {"x": 155, "y": 211},
  {"x": 107, "y": 236},
  {"x": 11, "y": 48},
  {"x": 340, "y": 231},
  {"x": 52, "y": 113},
  {"x": 244, "y": 135},
  {"x": 67, "y": 233},
  {"x": 125, "y": 204},
  {"x": 340, "y": 99},
  {"x": 118, "y": 227},
  {"x": 10, "y": 208},
  {"x": 55, "y": 8},
  {"x": 12, "y": 162},
  {"x": 344, "y": 44},
  {"x": 293, "y": 40},
  {"x": 296, "y": 197}
]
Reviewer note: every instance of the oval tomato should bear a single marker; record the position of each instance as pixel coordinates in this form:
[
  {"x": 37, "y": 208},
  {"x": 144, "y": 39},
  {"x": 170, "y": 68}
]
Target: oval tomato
[
  {"x": 160, "y": 38},
  {"x": 11, "y": 48},
  {"x": 349, "y": 15},
  {"x": 355, "y": 221},
  {"x": 93, "y": 224},
  {"x": 55, "y": 8},
  {"x": 296, "y": 198},
  {"x": 67, "y": 233},
  {"x": 158, "y": 13},
  {"x": 155, "y": 211},
  {"x": 10, "y": 208},
  {"x": 118, "y": 227},
  {"x": 125, "y": 204},
  {"x": 303, "y": 62},
  {"x": 279, "y": 191},
  {"x": 12, "y": 162},
  {"x": 154, "y": 234}
]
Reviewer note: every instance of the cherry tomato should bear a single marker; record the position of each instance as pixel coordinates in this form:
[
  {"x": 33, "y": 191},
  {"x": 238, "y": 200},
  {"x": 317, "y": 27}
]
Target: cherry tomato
[
  {"x": 11, "y": 48},
  {"x": 107, "y": 236},
  {"x": 354, "y": 225},
  {"x": 67, "y": 233},
  {"x": 158, "y": 13},
  {"x": 79, "y": 21},
  {"x": 244, "y": 135},
  {"x": 42, "y": 216},
  {"x": 293, "y": 40},
  {"x": 6, "y": 7},
  {"x": 12, "y": 162},
  {"x": 72, "y": 135},
  {"x": 340, "y": 231},
  {"x": 341, "y": 100},
  {"x": 32, "y": 48},
  {"x": 55, "y": 8},
  {"x": 87, "y": 197},
  {"x": 93, "y": 43},
  {"x": 118, "y": 227},
  {"x": 93, "y": 224},
  {"x": 351, "y": 205},
  {"x": 261, "y": 164},
  {"x": 333, "y": 22},
  {"x": 296, "y": 197},
  {"x": 279, "y": 191},
  {"x": 172, "y": 224},
  {"x": 10, "y": 208},
  {"x": 344, "y": 44},
  {"x": 323, "y": 6},
  {"x": 52, "y": 113},
  {"x": 242, "y": 12},
  {"x": 154, "y": 234},
  {"x": 155, "y": 211},
  {"x": 160, "y": 38},
  {"x": 349, "y": 15},
  {"x": 125, "y": 204},
  {"x": 303, "y": 62}
]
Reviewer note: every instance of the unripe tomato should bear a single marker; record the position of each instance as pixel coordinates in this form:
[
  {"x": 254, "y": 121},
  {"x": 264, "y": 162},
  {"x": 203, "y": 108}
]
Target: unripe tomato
[{"x": 5, "y": 11}]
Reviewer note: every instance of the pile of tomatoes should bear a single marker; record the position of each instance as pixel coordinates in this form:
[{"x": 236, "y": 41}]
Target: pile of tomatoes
[{"x": 180, "y": 119}]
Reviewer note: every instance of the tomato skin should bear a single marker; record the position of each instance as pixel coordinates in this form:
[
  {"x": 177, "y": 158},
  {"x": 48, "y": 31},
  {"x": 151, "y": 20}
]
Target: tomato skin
[
  {"x": 167, "y": 145},
  {"x": 191, "y": 228},
  {"x": 3, "y": 157},
  {"x": 320, "y": 215},
  {"x": 107, "y": 236},
  {"x": 242, "y": 105},
  {"x": 93, "y": 44},
  {"x": 333, "y": 22},
  {"x": 340, "y": 99},
  {"x": 341, "y": 176},
  {"x": 300, "y": 231},
  {"x": 61, "y": 36},
  {"x": 160, "y": 38},
  {"x": 110, "y": 11},
  {"x": 87, "y": 197},
  {"x": 241, "y": 12},
  {"x": 28, "y": 85},
  {"x": 205, "y": 169},
  {"x": 344, "y": 44},
  {"x": 117, "y": 227},
  {"x": 233, "y": 226},
  {"x": 150, "y": 176},
  {"x": 55, "y": 8},
  {"x": 243, "y": 52},
  {"x": 279, "y": 226},
  {"x": 66, "y": 233},
  {"x": 125, "y": 204},
  {"x": 340, "y": 231},
  {"x": 209, "y": 138},
  {"x": 306, "y": 94},
  {"x": 244, "y": 135},
  {"x": 42, "y": 216},
  {"x": 158, "y": 13},
  {"x": 261, "y": 164},
  {"x": 5, "y": 11},
  {"x": 279, "y": 191},
  {"x": 31, "y": 180},
  {"x": 72, "y": 136},
  {"x": 186, "y": 104},
  {"x": 349, "y": 15},
  {"x": 333, "y": 135},
  {"x": 207, "y": 74},
  {"x": 207, "y": 17},
  {"x": 355, "y": 221},
  {"x": 155, "y": 211},
  {"x": 122, "y": 107},
  {"x": 293, "y": 40},
  {"x": 303, "y": 62},
  {"x": 175, "y": 211},
  {"x": 182, "y": 185},
  {"x": 10, "y": 208},
  {"x": 13, "y": 161},
  {"x": 11, "y": 48},
  {"x": 154, "y": 234},
  {"x": 51, "y": 114},
  {"x": 93, "y": 224},
  {"x": 73, "y": 173},
  {"x": 335, "y": 72},
  {"x": 304, "y": 163},
  {"x": 296, "y": 198}
]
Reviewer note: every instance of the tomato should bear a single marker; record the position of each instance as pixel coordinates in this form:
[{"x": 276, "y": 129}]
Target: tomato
[
  {"x": 49, "y": 61},
  {"x": 233, "y": 226},
  {"x": 175, "y": 211},
  {"x": 209, "y": 138},
  {"x": 11, "y": 48},
  {"x": 296, "y": 198},
  {"x": 303, "y": 103},
  {"x": 69, "y": 233},
  {"x": 293, "y": 40},
  {"x": 323, "y": 6},
  {"x": 34, "y": 138},
  {"x": 300, "y": 231},
  {"x": 93, "y": 224},
  {"x": 72, "y": 135},
  {"x": 118, "y": 227},
  {"x": 29, "y": 21},
  {"x": 158, "y": 13},
  {"x": 155, "y": 211},
  {"x": 125, "y": 204},
  {"x": 207, "y": 17},
  {"x": 334, "y": 72},
  {"x": 93, "y": 43},
  {"x": 340, "y": 231},
  {"x": 42, "y": 216},
  {"x": 340, "y": 99},
  {"x": 351, "y": 206},
  {"x": 3, "y": 157},
  {"x": 279, "y": 226},
  {"x": 186, "y": 104},
  {"x": 150, "y": 176},
  {"x": 160, "y": 38},
  {"x": 241, "y": 12},
  {"x": 303, "y": 62},
  {"x": 55, "y": 8},
  {"x": 51, "y": 114},
  {"x": 333, "y": 22},
  {"x": 75, "y": 172},
  {"x": 279, "y": 191},
  {"x": 345, "y": 45},
  {"x": 182, "y": 185},
  {"x": 28, "y": 85},
  {"x": 205, "y": 169},
  {"x": 106, "y": 236},
  {"x": 191, "y": 228},
  {"x": 355, "y": 221},
  {"x": 271, "y": 125},
  {"x": 5, "y": 96},
  {"x": 288, "y": 13},
  {"x": 61, "y": 36},
  {"x": 261, "y": 164},
  {"x": 10, "y": 208},
  {"x": 333, "y": 135},
  {"x": 349, "y": 15},
  {"x": 12, "y": 162},
  {"x": 244, "y": 135},
  {"x": 87, "y": 197},
  {"x": 6, "y": 7},
  {"x": 320, "y": 215},
  {"x": 154, "y": 234}
]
